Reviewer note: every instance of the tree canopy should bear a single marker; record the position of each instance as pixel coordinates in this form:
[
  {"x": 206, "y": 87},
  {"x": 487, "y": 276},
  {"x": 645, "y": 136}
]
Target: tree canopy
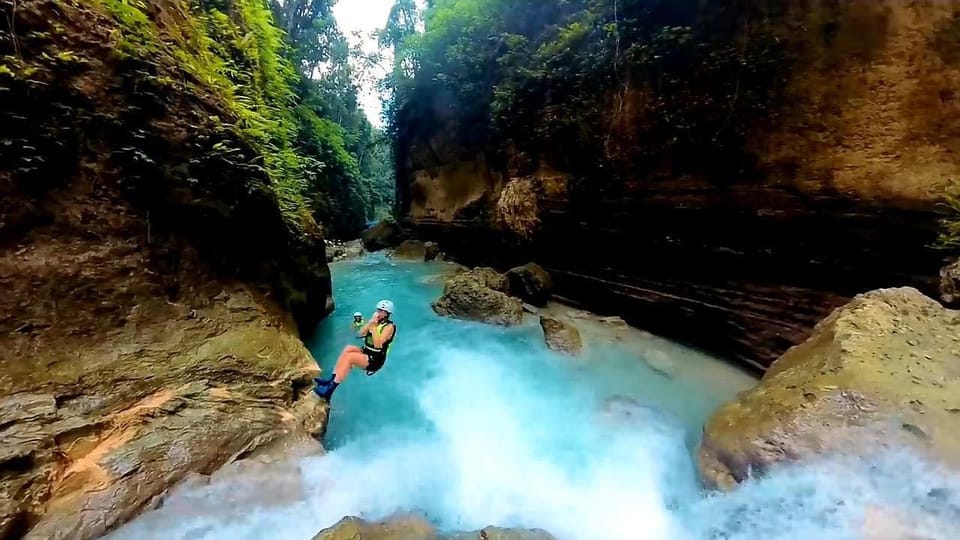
[{"x": 560, "y": 75}]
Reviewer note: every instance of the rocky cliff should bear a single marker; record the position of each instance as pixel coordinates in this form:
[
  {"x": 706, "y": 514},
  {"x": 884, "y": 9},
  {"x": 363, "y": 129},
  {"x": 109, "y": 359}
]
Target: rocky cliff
[
  {"x": 152, "y": 281},
  {"x": 828, "y": 188}
]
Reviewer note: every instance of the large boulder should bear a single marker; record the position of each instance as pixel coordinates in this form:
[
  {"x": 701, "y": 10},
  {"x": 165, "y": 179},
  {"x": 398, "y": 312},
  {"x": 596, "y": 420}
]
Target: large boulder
[
  {"x": 414, "y": 527},
  {"x": 345, "y": 251},
  {"x": 413, "y": 250},
  {"x": 488, "y": 277},
  {"x": 383, "y": 235},
  {"x": 531, "y": 283},
  {"x": 879, "y": 372},
  {"x": 560, "y": 335},
  {"x": 466, "y": 297},
  {"x": 950, "y": 283}
]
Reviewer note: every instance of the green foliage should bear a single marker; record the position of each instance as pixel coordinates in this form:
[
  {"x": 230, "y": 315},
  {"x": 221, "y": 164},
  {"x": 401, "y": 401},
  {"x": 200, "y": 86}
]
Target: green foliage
[
  {"x": 308, "y": 132},
  {"x": 550, "y": 77},
  {"x": 949, "y": 238}
]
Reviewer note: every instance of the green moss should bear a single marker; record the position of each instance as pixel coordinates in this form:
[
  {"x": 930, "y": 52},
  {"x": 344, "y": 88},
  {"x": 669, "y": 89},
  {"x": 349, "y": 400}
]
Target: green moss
[
  {"x": 949, "y": 237},
  {"x": 235, "y": 51}
]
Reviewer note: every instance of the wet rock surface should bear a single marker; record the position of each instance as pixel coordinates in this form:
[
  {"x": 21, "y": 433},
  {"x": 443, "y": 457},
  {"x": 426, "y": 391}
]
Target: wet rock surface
[
  {"x": 879, "y": 372},
  {"x": 466, "y": 296},
  {"x": 383, "y": 235},
  {"x": 488, "y": 277},
  {"x": 93, "y": 430},
  {"x": 432, "y": 249},
  {"x": 950, "y": 284},
  {"x": 561, "y": 335},
  {"x": 413, "y": 250},
  {"x": 531, "y": 283},
  {"x": 408, "y": 527},
  {"x": 415, "y": 527}
]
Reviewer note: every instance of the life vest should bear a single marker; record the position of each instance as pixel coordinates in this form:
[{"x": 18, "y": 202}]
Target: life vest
[{"x": 368, "y": 341}]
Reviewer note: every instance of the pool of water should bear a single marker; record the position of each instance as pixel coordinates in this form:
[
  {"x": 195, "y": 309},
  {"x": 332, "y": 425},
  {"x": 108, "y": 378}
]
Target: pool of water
[{"x": 477, "y": 425}]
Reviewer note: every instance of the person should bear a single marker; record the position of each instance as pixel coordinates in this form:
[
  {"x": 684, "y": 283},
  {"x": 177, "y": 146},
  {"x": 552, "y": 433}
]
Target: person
[
  {"x": 358, "y": 320},
  {"x": 377, "y": 336}
]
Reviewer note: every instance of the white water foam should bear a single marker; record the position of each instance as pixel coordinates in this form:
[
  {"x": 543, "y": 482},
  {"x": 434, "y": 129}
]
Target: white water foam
[{"x": 474, "y": 426}]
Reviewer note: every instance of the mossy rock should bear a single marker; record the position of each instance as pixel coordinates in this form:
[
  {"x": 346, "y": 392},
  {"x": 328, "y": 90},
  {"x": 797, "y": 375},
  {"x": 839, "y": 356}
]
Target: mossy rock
[{"x": 879, "y": 372}]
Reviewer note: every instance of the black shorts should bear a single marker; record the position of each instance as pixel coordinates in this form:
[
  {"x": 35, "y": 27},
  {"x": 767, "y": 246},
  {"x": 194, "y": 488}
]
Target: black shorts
[{"x": 375, "y": 361}]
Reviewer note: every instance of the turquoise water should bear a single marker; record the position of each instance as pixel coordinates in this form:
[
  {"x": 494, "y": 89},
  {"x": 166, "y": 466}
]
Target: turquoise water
[{"x": 476, "y": 425}]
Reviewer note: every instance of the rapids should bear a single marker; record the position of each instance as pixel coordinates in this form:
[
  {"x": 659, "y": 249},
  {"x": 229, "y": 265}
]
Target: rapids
[{"x": 476, "y": 425}]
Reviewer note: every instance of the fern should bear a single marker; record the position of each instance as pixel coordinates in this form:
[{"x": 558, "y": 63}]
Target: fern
[{"x": 949, "y": 237}]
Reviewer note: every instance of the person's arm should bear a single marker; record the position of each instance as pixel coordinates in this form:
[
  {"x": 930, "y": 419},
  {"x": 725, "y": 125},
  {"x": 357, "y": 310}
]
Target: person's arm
[
  {"x": 384, "y": 337},
  {"x": 364, "y": 330},
  {"x": 367, "y": 328}
]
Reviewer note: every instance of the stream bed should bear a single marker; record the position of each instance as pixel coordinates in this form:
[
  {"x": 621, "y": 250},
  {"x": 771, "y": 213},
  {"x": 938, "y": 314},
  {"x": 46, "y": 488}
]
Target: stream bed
[{"x": 475, "y": 425}]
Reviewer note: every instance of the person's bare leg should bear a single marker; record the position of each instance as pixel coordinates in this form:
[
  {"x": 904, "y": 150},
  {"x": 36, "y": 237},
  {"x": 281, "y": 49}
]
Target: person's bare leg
[
  {"x": 346, "y": 362},
  {"x": 348, "y": 359},
  {"x": 329, "y": 378}
]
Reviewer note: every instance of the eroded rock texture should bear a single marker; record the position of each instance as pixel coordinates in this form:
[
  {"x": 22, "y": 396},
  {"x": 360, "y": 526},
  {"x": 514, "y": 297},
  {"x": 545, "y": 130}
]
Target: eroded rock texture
[
  {"x": 152, "y": 292},
  {"x": 880, "y": 372}
]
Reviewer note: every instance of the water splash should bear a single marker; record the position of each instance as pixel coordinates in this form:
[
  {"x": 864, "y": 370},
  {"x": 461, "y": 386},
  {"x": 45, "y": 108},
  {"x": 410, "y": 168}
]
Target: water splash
[{"x": 476, "y": 425}]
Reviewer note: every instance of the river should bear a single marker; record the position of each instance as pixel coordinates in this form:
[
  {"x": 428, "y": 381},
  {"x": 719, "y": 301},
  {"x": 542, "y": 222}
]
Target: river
[{"x": 477, "y": 425}]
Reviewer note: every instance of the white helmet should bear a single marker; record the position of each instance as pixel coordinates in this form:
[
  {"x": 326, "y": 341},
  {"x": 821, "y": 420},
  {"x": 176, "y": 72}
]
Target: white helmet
[
  {"x": 385, "y": 305},
  {"x": 358, "y": 314}
]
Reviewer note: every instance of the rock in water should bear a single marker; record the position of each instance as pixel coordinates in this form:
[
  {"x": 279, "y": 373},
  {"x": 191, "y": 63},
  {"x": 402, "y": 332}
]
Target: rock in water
[
  {"x": 560, "y": 335},
  {"x": 414, "y": 527},
  {"x": 531, "y": 283},
  {"x": 341, "y": 252},
  {"x": 406, "y": 527},
  {"x": 433, "y": 250},
  {"x": 488, "y": 277},
  {"x": 950, "y": 283},
  {"x": 497, "y": 533},
  {"x": 879, "y": 372},
  {"x": 466, "y": 297},
  {"x": 383, "y": 235},
  {"x": 413, "y": 250},
  {"x": 352, "y": 250}
]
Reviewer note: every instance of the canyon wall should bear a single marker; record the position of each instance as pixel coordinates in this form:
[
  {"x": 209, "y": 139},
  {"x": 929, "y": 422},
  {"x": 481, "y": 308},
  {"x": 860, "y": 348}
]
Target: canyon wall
[
  {"x": 153, "y": 288},
  {"x": 832, "y": 191}
]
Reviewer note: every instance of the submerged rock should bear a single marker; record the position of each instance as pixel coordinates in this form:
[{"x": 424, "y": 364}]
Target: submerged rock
[
  {"x": 626, "y": 410},
  {"x": 660, "y": 362},
  {"x": 466, "y": 297},
  {"x": 497, "y": 533},
  {"x": 383, "y": 235},
  {"x": 560, "y": 335},
  {"x": 433, "y": 250},
  {"x": 950, "y": 283},
  {"x": 880, "y": 372},
  {"x": 413, "y": 250},
  {"x": 415, "y": 527},
  {"x": 531, "y": 283}
]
